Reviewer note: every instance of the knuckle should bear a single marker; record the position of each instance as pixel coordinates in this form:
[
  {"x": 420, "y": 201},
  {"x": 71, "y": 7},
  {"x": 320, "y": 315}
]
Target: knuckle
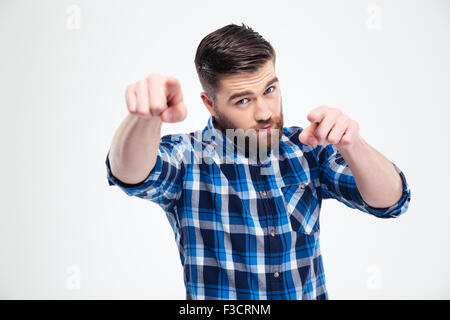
[
  {"x": 156, "y": 109},
  {"x": 131, "y": 108},
  {"x": 320, "y": 135},
  {"x": 346, "y": 141},
  {"x": 143, "y": 112},
  {"x": 332, "y": 140}
]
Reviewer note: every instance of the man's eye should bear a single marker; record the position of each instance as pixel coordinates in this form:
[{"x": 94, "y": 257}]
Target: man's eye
[
  {"x": 239, "y": 102},
  {"x": 268, "y": 90},
  {"x": 273, "y": 88}
]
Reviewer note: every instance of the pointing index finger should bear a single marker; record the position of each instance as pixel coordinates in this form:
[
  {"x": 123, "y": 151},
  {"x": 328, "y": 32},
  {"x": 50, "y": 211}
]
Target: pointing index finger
[{"x": 316, "y": 115}]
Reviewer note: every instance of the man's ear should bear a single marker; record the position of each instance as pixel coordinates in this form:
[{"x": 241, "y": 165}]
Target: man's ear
[{"x": 208, "y": 103}]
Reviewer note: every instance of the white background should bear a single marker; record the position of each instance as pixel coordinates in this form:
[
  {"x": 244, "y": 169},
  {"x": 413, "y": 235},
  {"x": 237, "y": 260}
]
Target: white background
[{"x": 64, "y": 67}]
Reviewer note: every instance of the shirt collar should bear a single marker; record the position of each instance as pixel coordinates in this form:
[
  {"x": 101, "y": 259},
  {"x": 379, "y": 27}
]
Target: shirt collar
[{"x": 227, "y": 148}]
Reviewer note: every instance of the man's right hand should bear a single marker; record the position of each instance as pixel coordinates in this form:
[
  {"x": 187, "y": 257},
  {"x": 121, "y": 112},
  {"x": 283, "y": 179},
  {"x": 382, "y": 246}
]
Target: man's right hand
[{"x": 156, "y": 96}]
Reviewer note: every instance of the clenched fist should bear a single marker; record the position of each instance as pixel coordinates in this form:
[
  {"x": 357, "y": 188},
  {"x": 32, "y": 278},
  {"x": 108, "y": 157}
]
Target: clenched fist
[{"x": 156, "y": 96}]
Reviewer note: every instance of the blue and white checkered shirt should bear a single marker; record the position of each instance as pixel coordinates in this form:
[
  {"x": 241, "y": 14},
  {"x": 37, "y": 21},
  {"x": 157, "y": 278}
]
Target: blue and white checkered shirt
[{"x": 249, "y": 230}]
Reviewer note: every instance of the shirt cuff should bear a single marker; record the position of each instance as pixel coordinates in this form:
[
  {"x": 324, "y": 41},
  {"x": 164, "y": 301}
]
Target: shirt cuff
[
  {"x": 395, "y": 210},
  {"x": 134, "y": 188}
]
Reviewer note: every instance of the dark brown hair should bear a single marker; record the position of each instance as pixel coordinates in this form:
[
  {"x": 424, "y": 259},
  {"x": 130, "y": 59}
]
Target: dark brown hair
[{"x": 231, "y": 49}]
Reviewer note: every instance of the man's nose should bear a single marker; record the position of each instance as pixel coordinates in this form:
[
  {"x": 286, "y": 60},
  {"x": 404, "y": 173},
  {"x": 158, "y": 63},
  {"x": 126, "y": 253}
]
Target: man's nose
[{"x": 262, "y": 112}]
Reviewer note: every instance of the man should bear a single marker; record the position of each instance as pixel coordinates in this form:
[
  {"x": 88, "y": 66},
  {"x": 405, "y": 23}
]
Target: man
[{"x": 246, "y": 226}]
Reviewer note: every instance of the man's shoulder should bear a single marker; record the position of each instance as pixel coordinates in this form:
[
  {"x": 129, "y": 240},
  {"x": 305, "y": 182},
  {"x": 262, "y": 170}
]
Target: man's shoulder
[
  {"x": 292, "y": 132},
  {"x": 187, "y": 140},
  {"x": 291, "y": 136},
  {"x": 291, "y": 139}
]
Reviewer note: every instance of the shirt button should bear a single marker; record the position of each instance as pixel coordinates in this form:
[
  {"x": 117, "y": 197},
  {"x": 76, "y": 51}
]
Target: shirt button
[
  {"x": 272, "y": 233},
  {"x": 264, "y": 193},
  {"x": 276, "y": 274}
]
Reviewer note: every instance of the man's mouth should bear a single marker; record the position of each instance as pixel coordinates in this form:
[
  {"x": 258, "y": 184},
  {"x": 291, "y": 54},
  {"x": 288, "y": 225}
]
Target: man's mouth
[{"x": 268, "y": 127}]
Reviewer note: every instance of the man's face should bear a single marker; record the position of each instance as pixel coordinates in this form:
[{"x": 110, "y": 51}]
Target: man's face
[{"x": 251, "y": 102}]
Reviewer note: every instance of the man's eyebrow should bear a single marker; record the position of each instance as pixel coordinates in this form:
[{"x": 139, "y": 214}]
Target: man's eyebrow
[{"x": 245, "y": 93}]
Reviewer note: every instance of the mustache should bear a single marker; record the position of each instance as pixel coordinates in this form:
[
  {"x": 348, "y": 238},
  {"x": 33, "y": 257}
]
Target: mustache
[{"x": 272, "y": 122}]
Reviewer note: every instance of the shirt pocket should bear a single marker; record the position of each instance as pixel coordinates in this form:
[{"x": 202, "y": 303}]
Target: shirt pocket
[{"x": 302, "y": 207}]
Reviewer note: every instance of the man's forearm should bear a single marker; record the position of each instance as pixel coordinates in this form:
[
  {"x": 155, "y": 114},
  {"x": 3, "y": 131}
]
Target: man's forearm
[
  {"x": 134, "y": 148},
  {"x": 378, "y": 182}
]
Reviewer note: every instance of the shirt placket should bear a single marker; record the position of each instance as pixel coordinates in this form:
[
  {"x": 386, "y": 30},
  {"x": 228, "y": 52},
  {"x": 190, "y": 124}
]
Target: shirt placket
[{"x": 274, "y": 241}]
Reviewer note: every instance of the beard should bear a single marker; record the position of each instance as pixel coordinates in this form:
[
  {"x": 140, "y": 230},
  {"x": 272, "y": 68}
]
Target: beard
[{"x": 254, "y": 141}]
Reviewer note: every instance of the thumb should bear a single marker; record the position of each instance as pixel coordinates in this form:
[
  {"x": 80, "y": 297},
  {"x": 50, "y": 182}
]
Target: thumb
[
  {"x": 174, "y": 113},
  {"x": 307, "y": 135},
  {"x": 176, "y": 110}
]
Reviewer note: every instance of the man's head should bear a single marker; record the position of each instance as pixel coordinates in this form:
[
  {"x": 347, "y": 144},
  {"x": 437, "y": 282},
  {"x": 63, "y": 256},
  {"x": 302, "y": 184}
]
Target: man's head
[{"x": 236, "y": 67}]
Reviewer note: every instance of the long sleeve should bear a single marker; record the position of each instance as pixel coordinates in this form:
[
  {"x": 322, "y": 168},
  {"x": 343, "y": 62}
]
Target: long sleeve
[
  {"x": 337, "y": 182},
  {"x": 163, "y": 184}
]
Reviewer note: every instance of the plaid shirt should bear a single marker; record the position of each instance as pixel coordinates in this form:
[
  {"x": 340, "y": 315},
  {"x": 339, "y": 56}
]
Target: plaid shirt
[{"x": 250, "y": 230}]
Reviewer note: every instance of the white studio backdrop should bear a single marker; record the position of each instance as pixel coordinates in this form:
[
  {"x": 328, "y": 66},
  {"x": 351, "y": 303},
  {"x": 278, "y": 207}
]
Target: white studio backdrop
[{"x": 65, "y": 65}]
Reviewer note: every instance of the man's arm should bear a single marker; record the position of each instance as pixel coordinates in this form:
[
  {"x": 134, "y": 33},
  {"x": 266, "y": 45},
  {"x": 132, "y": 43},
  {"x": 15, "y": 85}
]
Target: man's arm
[
  {"x": 135, "y": 145},
  {"x": 134, "y": 148},
  {"x": 378, "y": 182}
]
